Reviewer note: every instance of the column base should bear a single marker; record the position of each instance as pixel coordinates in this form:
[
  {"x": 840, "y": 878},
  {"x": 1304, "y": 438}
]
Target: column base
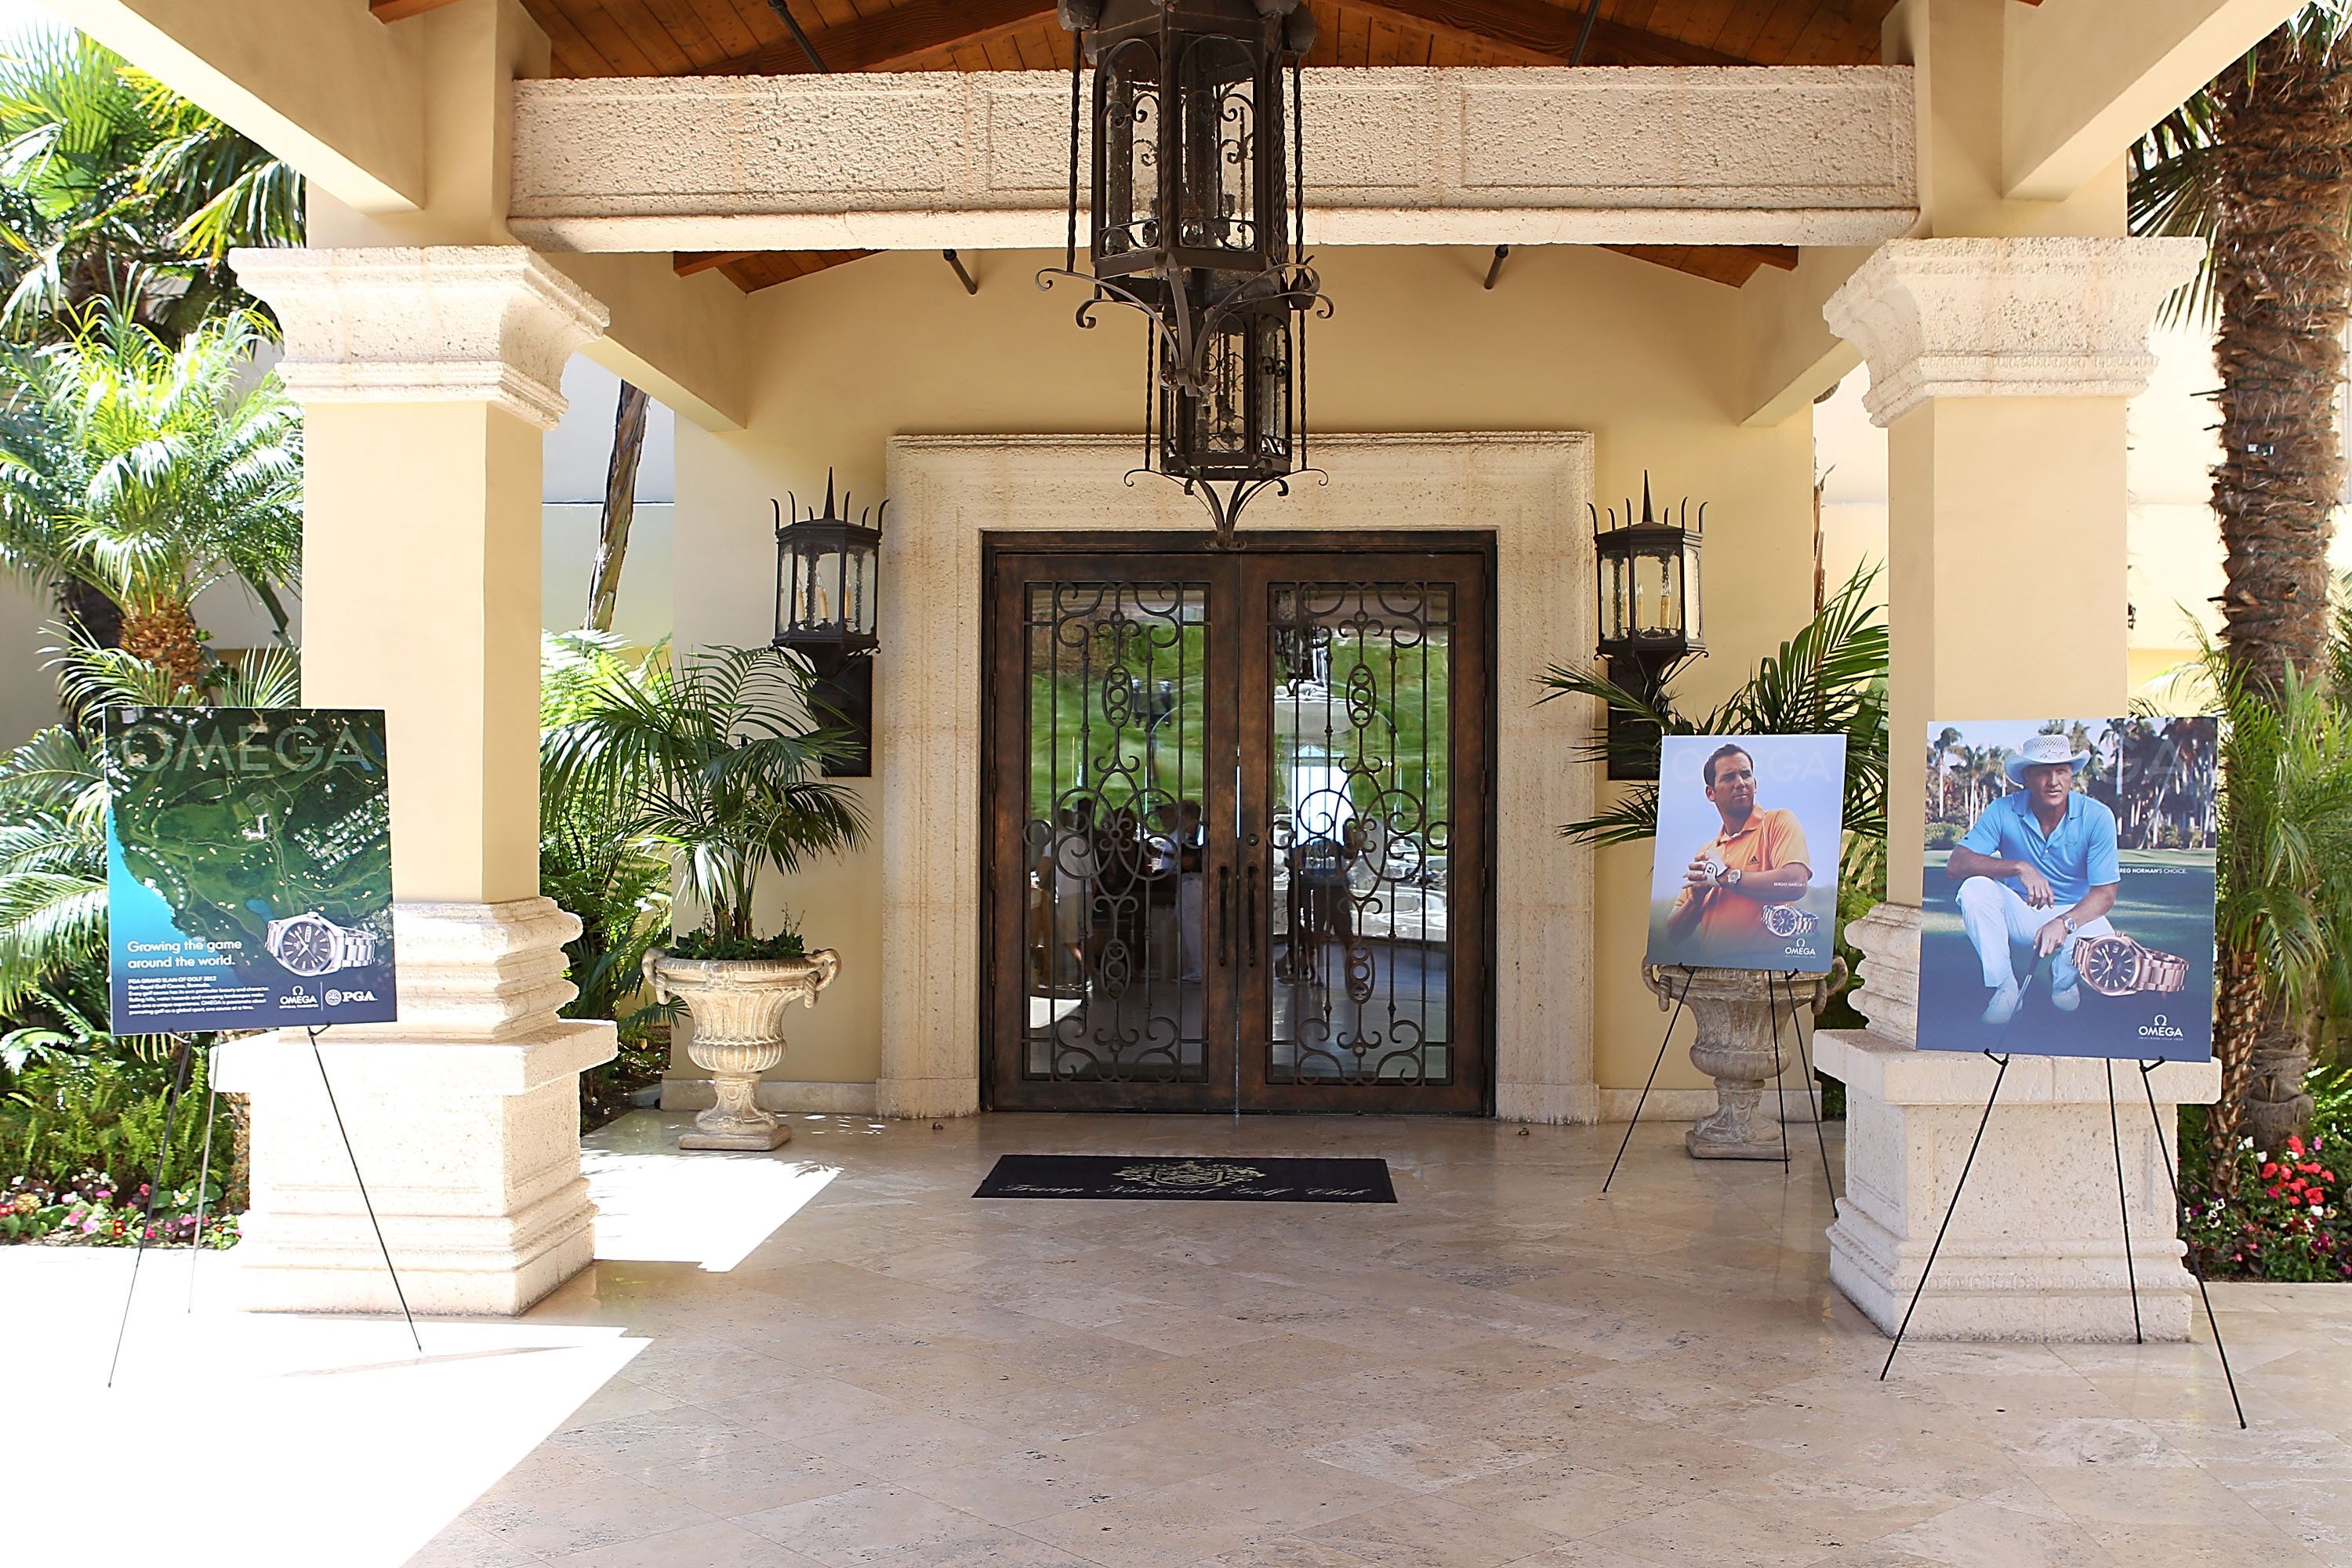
[
  {"x": 471, "y": 1157},
  {"x": 926, "y": 1099},
  {"x": 2035, "y": 1248}
]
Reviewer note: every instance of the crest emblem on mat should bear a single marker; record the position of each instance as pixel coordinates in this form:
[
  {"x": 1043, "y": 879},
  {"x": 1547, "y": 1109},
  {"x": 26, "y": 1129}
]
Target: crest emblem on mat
[{"x": 1190, "y": 1174}]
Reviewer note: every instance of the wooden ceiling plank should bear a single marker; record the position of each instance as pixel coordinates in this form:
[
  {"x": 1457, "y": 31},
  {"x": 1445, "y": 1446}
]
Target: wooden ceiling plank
[
  {"x": 728, "y": 27},
  {"x": 574, "y": 54},
  {"x": 1784, "y": 22},
  {"x": 876, "y": 42},
  {"x": 652, "y": 39},
  {"x": 686, "y": 30},
  {"x": 1539, "y": 32},
  {"x": 611, "y": 40}
]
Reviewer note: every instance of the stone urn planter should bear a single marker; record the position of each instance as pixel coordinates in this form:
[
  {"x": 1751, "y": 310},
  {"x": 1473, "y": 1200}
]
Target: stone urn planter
[
  {"x": 1734, "y": 1010},
  {"x": 738, "y": 1005}
]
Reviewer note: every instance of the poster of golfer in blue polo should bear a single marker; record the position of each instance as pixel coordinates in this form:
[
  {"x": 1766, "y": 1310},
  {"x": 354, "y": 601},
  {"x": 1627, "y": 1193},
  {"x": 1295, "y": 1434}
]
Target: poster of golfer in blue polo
[
  {"x": 248, "y": 869},
  {"x": 1746, "y": 863},
  {"x": 2068, "y": 906}
]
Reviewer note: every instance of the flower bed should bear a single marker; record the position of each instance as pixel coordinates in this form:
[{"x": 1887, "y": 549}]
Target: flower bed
[
  {"x": 91, "y": 1211},
  {"x": 2287, "y": 1220}
]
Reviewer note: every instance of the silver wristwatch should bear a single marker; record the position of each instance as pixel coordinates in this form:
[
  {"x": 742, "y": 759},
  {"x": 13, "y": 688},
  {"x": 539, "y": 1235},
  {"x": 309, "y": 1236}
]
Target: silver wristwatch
[
  {"x": 310, "y": 945},
  {"x": 1786, "y": 920}
]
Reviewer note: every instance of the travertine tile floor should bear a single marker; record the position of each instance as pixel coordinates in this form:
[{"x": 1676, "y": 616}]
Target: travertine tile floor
[{"x": 1503, "y": 1368}]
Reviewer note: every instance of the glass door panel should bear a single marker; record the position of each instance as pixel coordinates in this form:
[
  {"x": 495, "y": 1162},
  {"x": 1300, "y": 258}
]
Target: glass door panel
[
  {"x": 1236, "y": 830},
  {"x": 1361, "y": 823}
]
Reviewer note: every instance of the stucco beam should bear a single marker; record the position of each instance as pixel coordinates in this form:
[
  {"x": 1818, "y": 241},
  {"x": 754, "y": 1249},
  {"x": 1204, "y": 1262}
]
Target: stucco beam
[
  {"x": 682, "y": 339},
  {"x": 327, "y": 87},
  {"x": 2082, "y": 78},
  {"x": 1787, "y": 356},
  {"x": 1781, "y": 155}
]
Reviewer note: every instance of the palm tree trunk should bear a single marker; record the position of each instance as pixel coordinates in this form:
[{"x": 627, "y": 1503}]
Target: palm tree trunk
[
  {"x": 165, "y": 635},
  {"x": 2237, "y": 1022},
  {"x": 2285, "y": 274},
  {"x": 2284, "y": 271},
  {"x": 620, "y": 506}
]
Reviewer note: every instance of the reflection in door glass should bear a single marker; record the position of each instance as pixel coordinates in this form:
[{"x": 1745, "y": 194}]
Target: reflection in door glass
[
  {"x": 1116, "y": 680},
  {"x": 1362, "y": 687}
]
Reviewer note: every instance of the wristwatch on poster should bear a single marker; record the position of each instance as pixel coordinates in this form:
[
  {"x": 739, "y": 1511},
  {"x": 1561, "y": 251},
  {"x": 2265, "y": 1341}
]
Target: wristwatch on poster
[
  {"x": 1786, "y": 920},
  {"x": 311, "y": 944},
  {"x": 2118, "y": 966},
  {"x": 1731, "y": 877}
]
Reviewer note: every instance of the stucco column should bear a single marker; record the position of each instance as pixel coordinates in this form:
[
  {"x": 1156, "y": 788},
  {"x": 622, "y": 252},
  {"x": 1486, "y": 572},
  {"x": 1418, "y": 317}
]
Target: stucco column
[
  {"x": 2000, "y": 369},
  {"x": 428, "y": 377}
]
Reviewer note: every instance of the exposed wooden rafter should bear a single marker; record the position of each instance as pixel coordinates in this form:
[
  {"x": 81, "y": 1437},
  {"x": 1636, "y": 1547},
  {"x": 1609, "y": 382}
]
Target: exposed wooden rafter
[
  {"x": 879, "y": 42},
  {"x": 753, "y": 270},
  {"x": 401, "y": 10},
  {"x": 1729, "y": 264}
]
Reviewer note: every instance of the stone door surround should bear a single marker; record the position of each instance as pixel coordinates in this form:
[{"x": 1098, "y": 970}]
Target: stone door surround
[{"x": 947, "y": 491}]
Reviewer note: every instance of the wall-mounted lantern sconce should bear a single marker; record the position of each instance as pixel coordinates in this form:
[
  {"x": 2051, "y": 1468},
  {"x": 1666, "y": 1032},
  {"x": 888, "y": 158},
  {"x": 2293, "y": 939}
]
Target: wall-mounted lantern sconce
[
  {"x": 1649, "y": 615},
  {"x": 826, "y": 598}
]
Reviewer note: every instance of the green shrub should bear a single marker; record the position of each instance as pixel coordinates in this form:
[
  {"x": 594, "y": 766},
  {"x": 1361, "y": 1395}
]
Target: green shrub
[{"x": 72, "y": 1117}]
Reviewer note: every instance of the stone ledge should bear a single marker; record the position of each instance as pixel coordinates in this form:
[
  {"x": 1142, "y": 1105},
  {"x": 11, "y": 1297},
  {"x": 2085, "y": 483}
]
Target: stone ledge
[
  {"x": 1905, "y": 1074},
  {"x": 1399, "y": 155},
  {"x": 416, "y": 1069}
]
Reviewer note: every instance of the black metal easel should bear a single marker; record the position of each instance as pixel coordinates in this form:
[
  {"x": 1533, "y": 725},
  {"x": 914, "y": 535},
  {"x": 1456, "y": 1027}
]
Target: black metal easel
[
  {"x": 154, "y": 1190},
  {"x": 1689, "y": 974},
  {"x": 314, "y": 1031},
  {"x": 2164, "y": 1151},
  {"x": 1958, "y": 1187}
]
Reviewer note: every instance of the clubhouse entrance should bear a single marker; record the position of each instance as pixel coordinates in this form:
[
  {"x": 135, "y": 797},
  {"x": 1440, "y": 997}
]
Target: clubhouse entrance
[{"x": 1236, "y": 818}]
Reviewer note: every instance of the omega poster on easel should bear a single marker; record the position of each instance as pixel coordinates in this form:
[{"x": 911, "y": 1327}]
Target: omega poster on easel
[
  {"x": 248, "y": 869},
  {"x": 2068, "y": 906}
]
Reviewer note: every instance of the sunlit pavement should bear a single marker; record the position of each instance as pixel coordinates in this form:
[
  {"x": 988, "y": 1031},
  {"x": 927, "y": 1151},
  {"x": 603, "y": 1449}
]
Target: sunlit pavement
[{"x": 833, "y": 1355}]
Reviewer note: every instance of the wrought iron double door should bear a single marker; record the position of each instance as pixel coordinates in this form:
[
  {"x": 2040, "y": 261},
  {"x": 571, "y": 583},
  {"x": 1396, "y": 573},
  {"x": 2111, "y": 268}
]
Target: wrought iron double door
[{"x": 1237, "y": 811}]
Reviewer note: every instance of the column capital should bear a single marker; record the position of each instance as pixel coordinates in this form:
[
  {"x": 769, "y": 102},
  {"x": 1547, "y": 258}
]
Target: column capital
[
  {"x": 470, "y": 324},
  {"x": 2007, "y": 318}
]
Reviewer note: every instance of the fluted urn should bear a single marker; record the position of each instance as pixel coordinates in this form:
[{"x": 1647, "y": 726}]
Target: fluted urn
[
  {"x": 1746, "y": 1022},
  {"x": 738, "y": 1005}
]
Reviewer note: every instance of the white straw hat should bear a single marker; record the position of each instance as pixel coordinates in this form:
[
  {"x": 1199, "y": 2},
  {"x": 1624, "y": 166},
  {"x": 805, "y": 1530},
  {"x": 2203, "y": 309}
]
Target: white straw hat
[{"x": 2040, "y": 751}]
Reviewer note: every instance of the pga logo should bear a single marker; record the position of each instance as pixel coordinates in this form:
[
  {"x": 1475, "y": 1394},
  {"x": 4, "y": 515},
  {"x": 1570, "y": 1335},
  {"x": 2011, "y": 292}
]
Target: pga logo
[
  {"x": 2162, "y": 1029},
  {"x": 337, "y": 998}
]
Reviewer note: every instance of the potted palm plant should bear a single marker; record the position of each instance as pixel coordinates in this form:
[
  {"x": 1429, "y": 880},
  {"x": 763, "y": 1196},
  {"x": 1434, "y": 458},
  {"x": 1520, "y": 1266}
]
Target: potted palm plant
[{"x": 708, "y": 758}]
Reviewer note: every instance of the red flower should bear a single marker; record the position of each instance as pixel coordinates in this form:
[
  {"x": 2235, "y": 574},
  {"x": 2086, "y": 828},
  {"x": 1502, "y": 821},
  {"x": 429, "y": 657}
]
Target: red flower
[
  {"x": 2295, "y": 1145},
  {"x": 2270, "y": 1169}
]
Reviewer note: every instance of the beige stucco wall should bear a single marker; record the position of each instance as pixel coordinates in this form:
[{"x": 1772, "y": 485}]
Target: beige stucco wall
[{"x": 1571, "y": 339}]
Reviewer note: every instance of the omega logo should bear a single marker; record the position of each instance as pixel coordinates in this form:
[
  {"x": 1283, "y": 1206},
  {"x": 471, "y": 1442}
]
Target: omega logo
[{"x": 2161, "y": 1029}]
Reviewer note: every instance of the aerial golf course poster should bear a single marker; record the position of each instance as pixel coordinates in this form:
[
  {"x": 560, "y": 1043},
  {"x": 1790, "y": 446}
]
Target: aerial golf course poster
[{"x": 248, "y": 869}]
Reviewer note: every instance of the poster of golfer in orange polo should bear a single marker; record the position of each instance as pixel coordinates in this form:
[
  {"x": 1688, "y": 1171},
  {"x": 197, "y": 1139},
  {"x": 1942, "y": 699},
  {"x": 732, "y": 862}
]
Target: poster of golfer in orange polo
[
  {"x": 1746, "y": 865},
  {"x": 2068, "y": 904}
]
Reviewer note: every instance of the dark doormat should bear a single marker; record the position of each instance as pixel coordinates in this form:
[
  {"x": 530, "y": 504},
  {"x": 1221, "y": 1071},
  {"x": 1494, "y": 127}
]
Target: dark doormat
[{"x": 1239, "y": 1180}]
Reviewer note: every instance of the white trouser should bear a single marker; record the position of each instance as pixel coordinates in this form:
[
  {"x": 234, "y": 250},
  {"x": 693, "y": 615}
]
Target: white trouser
[{"x": 1996, "y": 916}]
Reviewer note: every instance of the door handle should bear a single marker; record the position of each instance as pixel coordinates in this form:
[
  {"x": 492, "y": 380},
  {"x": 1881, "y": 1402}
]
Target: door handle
[
  {"x": 1224, "y": 913},
  {"x": 1249, "y": 918}
]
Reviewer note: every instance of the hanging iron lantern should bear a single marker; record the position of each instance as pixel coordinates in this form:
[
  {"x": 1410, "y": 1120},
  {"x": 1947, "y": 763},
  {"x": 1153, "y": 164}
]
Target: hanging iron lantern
[
  {"x": 1649, "y": 621},
  {"x": 1196, "y": 223},
  {"x": 826, "y": 578}
]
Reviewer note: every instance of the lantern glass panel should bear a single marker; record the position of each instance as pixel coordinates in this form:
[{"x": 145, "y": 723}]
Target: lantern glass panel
[
  {"x": 1691, "y": 597},
  {"x": 1219, "y": 204},
  {"x": 860, "y": 590},
  {"x": 1130, "y": 114},
  {"x": 819, "y": 608},
  {"x": 1616, "y": 599},
  {"x": 1658, "y": 597}
]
